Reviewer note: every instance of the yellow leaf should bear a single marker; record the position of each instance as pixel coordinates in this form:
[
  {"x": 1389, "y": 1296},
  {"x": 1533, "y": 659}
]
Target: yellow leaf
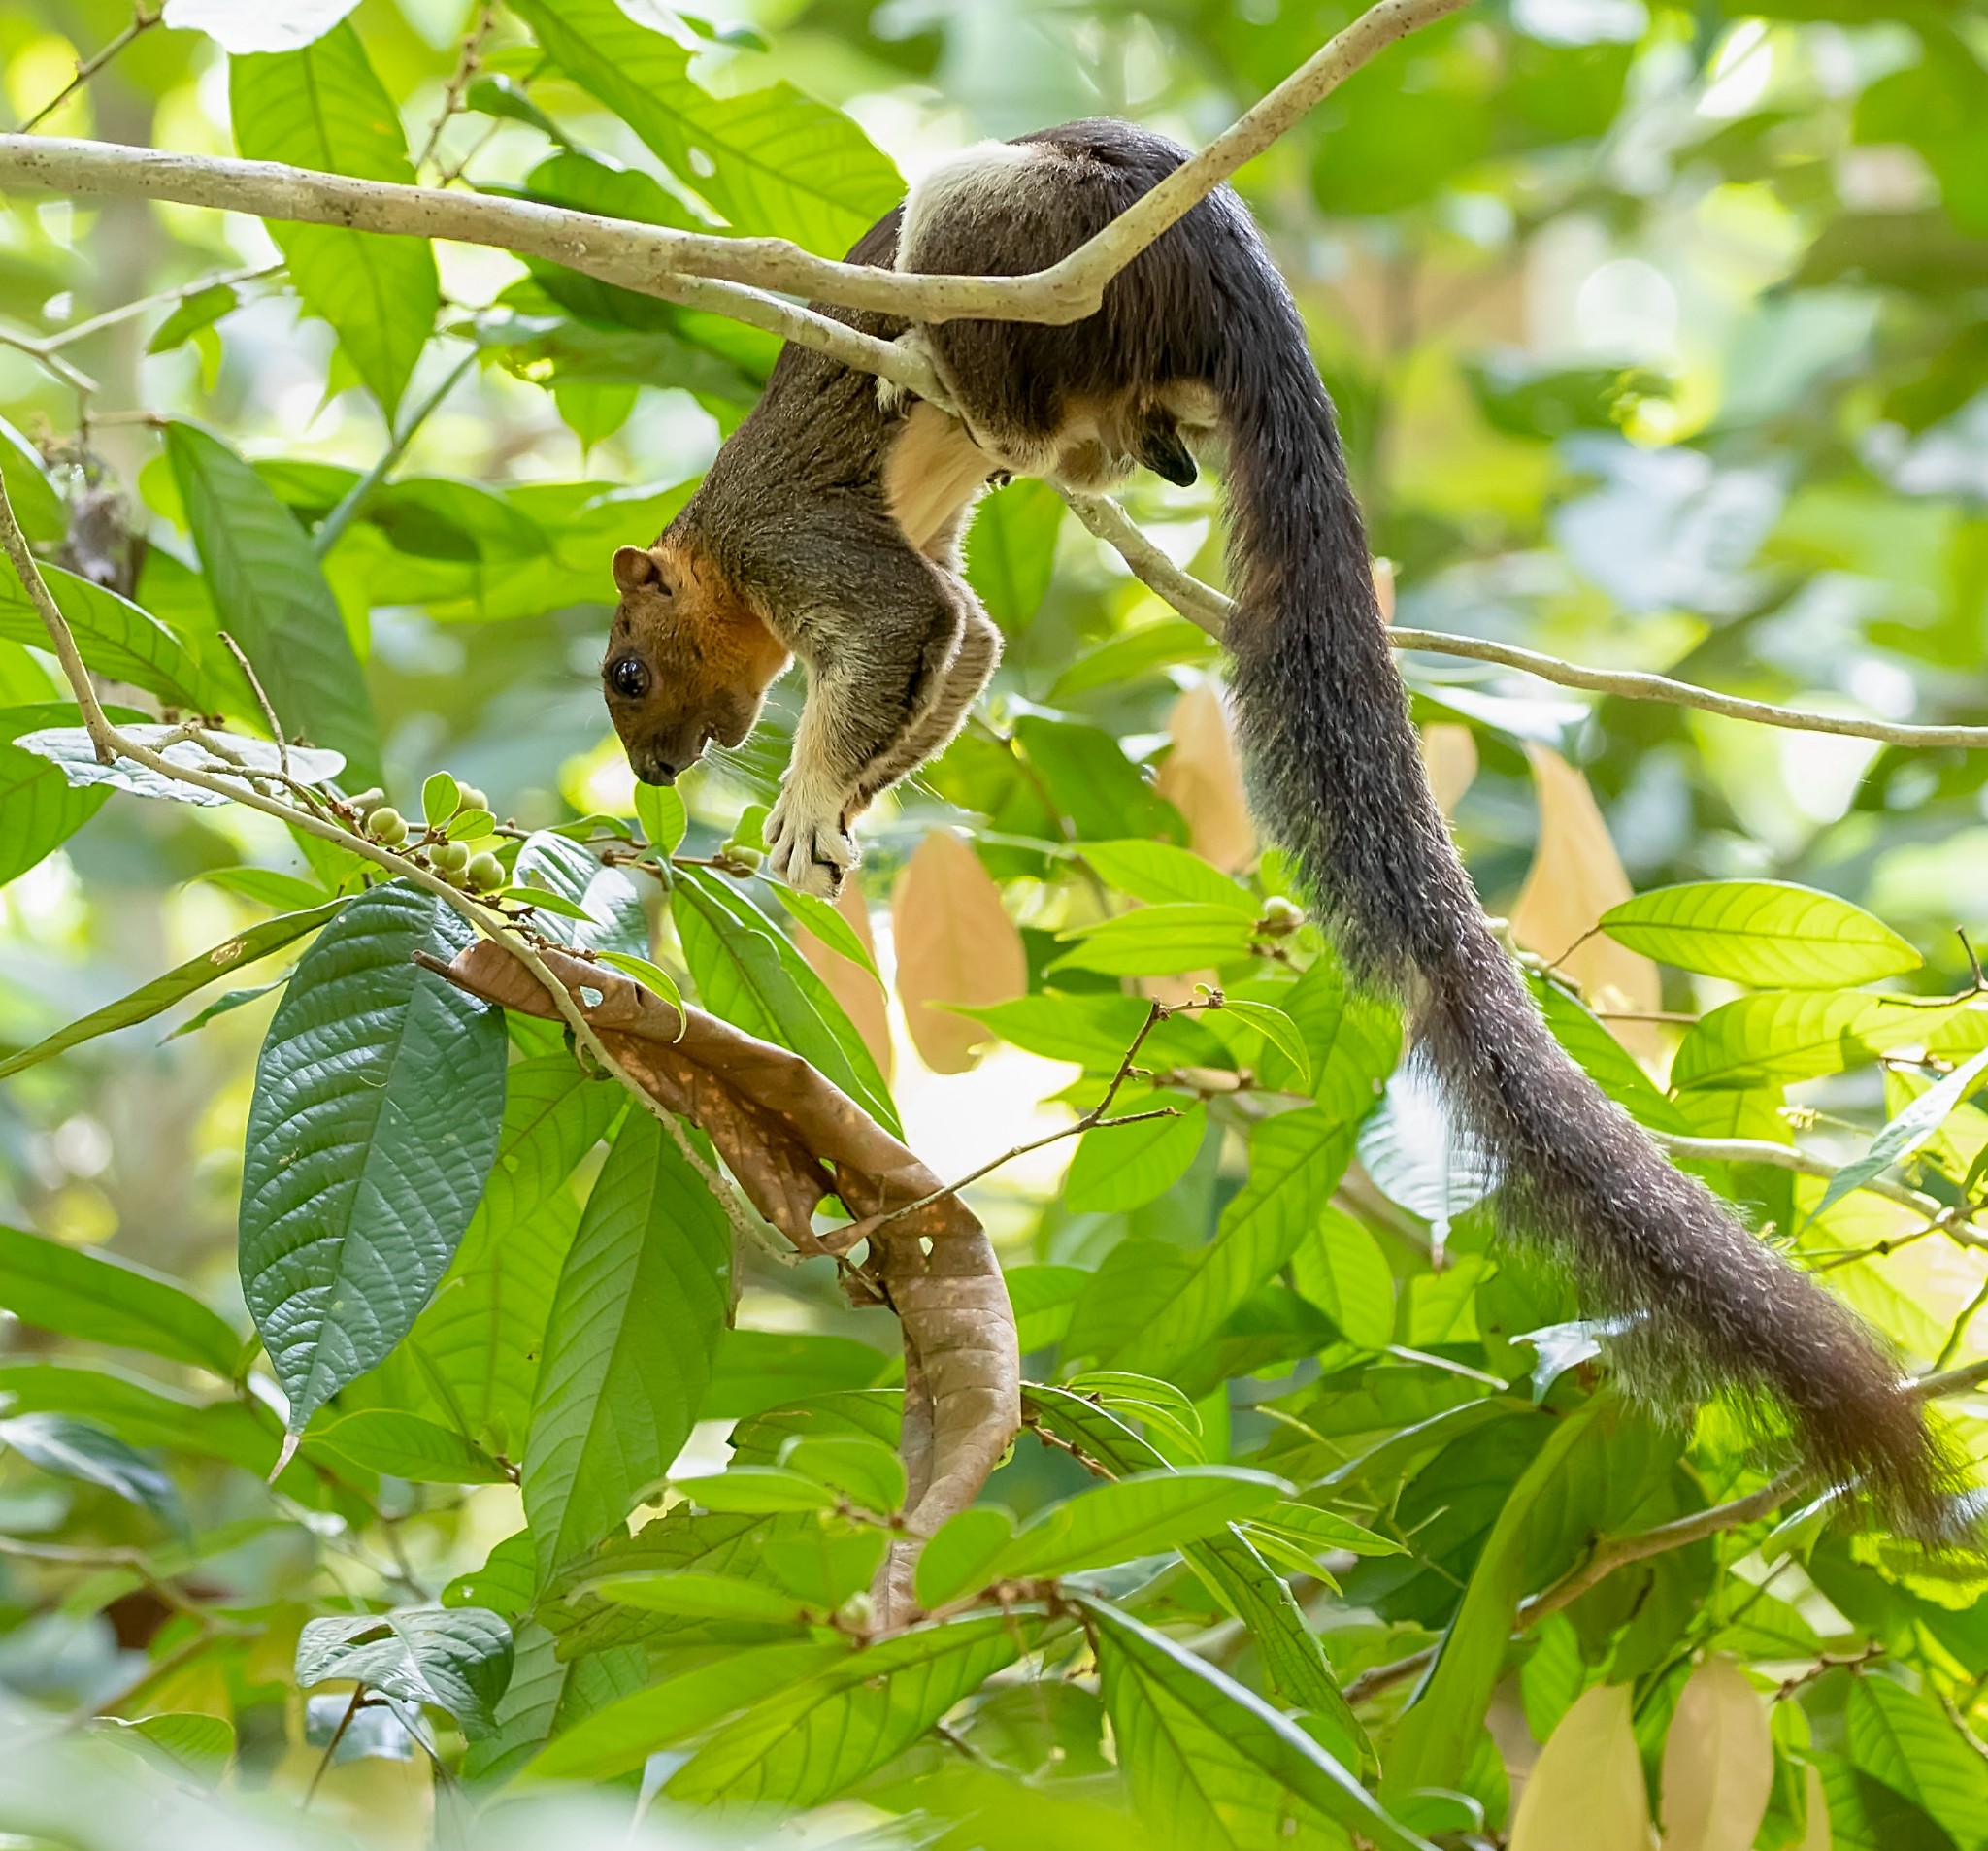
[
  {"x": 1817, "y": 1837},
  {"x": 1450, "y": 754},
  {"x": 1575, "y": 878},
  {"x": 1586, "y": 1788},
  {"x": 1203, "y": 779},
  {"x": 956, "y": 943},
  {"x": 853, "y": 986},
  {"x": 1384, "y": 588},
  {"x": 1718, "y": 1763}
]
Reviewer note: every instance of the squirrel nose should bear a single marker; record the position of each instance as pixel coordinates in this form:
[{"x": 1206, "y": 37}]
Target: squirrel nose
[{"x": 656, "y": 771}]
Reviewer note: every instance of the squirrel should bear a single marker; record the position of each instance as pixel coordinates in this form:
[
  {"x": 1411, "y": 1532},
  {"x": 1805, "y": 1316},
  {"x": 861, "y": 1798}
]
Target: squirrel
[{"x": 828, "y": 528}]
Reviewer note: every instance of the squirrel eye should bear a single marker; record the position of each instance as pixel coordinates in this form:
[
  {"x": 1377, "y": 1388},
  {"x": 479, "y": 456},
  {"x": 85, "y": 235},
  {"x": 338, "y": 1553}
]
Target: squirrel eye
[{"x": 628, "y": 677}]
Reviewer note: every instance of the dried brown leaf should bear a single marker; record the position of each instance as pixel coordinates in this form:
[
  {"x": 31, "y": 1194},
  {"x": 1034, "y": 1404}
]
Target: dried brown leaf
[
  {"x": 956, "y": 943},
  {"x": 1202, "y": 778},
  {"x": 1586, "y": 1789},
  {"x": 1718, "y": 1763},
  {"x": 1575, "y": 878}
]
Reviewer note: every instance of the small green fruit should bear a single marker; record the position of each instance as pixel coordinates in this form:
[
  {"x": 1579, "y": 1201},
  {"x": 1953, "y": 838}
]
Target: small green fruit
[
  {"x": 485, "y": 872},
  {"x": 386, "y": 825},
  {"x": 1281, "y": 914},
  {"x": 450, "y": 857},
  {"x": 472, "y": 798}
]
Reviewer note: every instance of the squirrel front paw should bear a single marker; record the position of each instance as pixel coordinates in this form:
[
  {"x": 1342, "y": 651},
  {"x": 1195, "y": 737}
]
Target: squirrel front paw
[{"x": 807, "y": 846}]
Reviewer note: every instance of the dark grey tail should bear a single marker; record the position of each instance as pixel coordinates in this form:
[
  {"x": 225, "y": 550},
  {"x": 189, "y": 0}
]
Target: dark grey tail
[{"x": 1338, "y": 780}]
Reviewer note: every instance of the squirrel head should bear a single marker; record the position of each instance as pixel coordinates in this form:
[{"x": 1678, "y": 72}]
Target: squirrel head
[{"x": 688, "y": 660}]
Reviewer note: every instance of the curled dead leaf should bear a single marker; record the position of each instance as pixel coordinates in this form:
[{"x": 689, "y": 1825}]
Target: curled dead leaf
[
  {"x": 1203, "y": 779},
  {"x": 956, "y": 943},
  {"x": 1577, "y": 877},
  {"x": 1449, "y": 752},
  {"x": 1718, "y": 1763}
]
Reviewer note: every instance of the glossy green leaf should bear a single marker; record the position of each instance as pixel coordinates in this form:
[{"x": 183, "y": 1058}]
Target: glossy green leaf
[
  {"x": 773, "y": 161},
  {"x": 272, "y": 598},
  {"x": 1278, "y": 1030},
  {"x": 547, "y": 1694},
  {"x": 1118, "y": 1167},
  {"x": 456, "y": 1657},
  {"x": 39, "y": 810},
  {"x": 690, "y": 1595},
  {"x": 161, "y": 992},
  {"x": 1210, "y": 1763},
  {"x": 629, "y": 1343},
  {"x": 1902, "y": 1133},
  {"x": 756, "y": 1491},
  {"x": 864, "y": 1471},
  {"x": 77, "y": 1449},
  {"x": 752, "y": 975},
  {"x": 1339, "y": 1268},
  {"x": 1162, "y": 875},
  {"x": 828, "y": 925},
  {"x": 963, "y": 1555},
  {"x": 202, "y": 309},
  {"x": 1012, "y": 551},
  {"x": 610, "y": 909},
  {"x": 107, "y": 1300},
  {"x": 1158, "y": 940},
  {"x": 1768, "y": 933},
  {"x": 1094, "y": 1031},
  {"x": 623, "y": 1736},
  {"x": 1782, "y": 1036},
  {"x": 820, "y": 1736},
  {"x": 36, "y": 504},
  {"x": 1904, "y": 1741},
  {"x": 645, "y": 971},
  {"x": 1142, "y": 1515},
  {"x": 322, "y": 106},
  {"x": 120, "y": 641},
  {"x": 405, "y": 1447},
  {"x": 375, "y": 1122},
  {"x": 659, "y": 810}
]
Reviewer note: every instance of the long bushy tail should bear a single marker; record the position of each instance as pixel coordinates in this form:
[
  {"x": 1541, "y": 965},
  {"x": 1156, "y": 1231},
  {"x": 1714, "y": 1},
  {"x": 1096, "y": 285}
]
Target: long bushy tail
[{"x": 1323, "y": 720}]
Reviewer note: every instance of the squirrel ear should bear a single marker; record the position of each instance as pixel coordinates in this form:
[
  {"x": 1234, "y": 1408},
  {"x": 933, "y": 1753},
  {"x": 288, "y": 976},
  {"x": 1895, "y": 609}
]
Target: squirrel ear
[{"x": 634, "y": 568}]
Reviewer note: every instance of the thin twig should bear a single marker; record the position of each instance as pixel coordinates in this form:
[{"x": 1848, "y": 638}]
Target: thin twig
[
  {"x": 262, "y": 700},
  {"x": 338, "y": 1736},
  {"x": 113, "y": 318},
  {"x": 351, "y": 504},
  {"x": 459, "y": 81},
  {"x": 842, "y": 1240},
  {"x": 141, "y": 21}
]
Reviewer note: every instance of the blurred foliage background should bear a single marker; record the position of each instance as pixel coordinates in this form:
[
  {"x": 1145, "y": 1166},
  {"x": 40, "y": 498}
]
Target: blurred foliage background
[{"x": 1658, "y": 336}]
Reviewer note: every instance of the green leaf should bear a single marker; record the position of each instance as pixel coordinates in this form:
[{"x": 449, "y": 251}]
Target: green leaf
[
  {"x": 659, "y": 810},
  {"x": 752, "y": 975},
  {"x": 1438, "y": 1731},
  {"x": 818, "y": 1739},
  {"x": 1901, "y": 1136},
  {"x": 1162, "y": 875},
  {"x": 628, "y": 1349},
  {"x": 1782, "y": 1036},
  {"x": 1095, "y": 1031},
  {"x": 1316, "y": 1531},
  {"x": 761, "y": 1370},
  {"x": 272, "y": 598},
  {"x": 39, "y": 810},
  {"x": 456, "y": 1657},
  {"x": 609, "y": 909},
  {"x": 1605, "y": 1060},
  {"x": 1906, "y": 1741},
  {"x": 1162, "y": 940},
  {"x": 120, "y": 641},
  {"x": 441, "y": 799},
  {"x": 649, "y": 975},
  {"x": 407, "y": 1447},
  {"x": 1768, "y": 933},
  {"x": 827, "y": 924},
  {"x": 547, "y": 1695},
  {"x": 106, "y": 1299},
  {"x": 618, "y": 1738},
  {"x": 374, "y": 1121},
  {"x": 962, "y": 1554},
  {"x": 1132, "y": 654},
  {"x": 1421, "y": 1156},
  {"x": 1210, "y": 1763},
  {"x": 1090, "y": 780},
  {"x": 1278, "y": 1030},
  {"x": 756, "y": 1491},
  {"x": 1121, "y": 1167},
  {"x": 202, "y": 309},
  {"x": 1339, "y": 1268},
  {"x": 76, "y": 1449},
  {"x": 864, "y": 1471},
  {"x": 774, "y": 162},
  {"x": 1012, "y": 551},
  {"x": 222, "y": 756},
  {"x": 36, "y": 504},
  {"x": 188, "y": 1746},
  {"x": 161, "y": 992},
  {"x": 690, "y": 1595},
  {"x": 322, "y": 106},
  {"x": 485, "y": 1332},
  {"x": 1136, "y": 1516}
]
